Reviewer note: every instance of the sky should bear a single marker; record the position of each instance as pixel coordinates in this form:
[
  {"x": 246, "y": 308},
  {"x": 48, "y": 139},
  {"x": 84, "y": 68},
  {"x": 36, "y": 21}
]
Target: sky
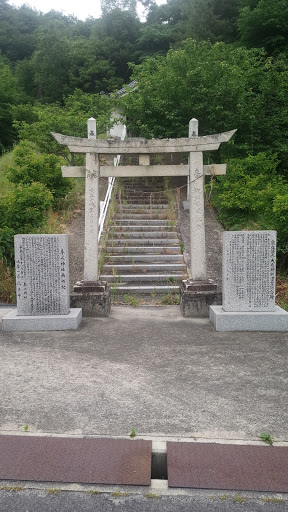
[{"x": 82, "y": 9}]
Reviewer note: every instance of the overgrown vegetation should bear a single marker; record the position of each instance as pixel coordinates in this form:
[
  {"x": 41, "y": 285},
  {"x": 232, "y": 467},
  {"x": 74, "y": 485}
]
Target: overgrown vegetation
[{"x": 221, "y": 61}]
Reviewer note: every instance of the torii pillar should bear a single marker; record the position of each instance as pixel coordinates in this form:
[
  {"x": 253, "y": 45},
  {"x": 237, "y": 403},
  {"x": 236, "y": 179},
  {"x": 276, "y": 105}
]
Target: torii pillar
[{"x": 197, "y": 293}]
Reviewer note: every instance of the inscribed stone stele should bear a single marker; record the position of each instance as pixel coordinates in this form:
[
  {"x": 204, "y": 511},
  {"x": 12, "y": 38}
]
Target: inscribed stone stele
[
  {"x": 249, "y": 270},
  {"x": 42, "y": 274}
]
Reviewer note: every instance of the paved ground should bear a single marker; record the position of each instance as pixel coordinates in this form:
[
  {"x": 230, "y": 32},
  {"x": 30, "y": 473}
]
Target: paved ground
[
  {"x": 146, "y": 368},
  {"x": 150, "y": 369},
  {"x": 41, "y": 500}
]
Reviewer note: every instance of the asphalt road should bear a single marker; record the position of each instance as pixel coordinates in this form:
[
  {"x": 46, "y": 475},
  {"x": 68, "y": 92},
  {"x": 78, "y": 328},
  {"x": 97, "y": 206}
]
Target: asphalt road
[{"x": 35, "y": 500}]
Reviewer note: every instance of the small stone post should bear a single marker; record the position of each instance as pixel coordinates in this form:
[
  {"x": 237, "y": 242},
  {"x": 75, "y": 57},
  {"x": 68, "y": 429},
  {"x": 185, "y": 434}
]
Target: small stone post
[
  {"x": 196, "y": 199},
  {"x": 91, "y": 209}
]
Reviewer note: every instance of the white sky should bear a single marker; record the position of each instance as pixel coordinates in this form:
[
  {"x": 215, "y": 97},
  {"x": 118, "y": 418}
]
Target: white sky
[{"x": 82, "y": 9}]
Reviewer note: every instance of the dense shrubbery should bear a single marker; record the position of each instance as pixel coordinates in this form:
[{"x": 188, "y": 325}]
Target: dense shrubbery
[
  {"x": 223, "y": 86},
  {"x": 34, "y": 167},
  {"x": 22, "y": 210},
  {"x": 252, "y": 195}
]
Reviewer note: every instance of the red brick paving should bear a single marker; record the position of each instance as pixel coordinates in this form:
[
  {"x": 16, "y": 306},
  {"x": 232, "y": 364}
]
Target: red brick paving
[
  {"x": 58, "y": 459},
  {"x": 218, "y": 466}
]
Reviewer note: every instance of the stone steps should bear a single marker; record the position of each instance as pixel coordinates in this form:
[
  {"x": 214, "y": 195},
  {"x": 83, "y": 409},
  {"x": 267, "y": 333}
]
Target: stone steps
[
  {"x": 136, "y": 207},
  {"x": 144, "y": 258},
  {"x": 143, "y": 222},
  {"x": 126, "y": 242},
  {"x": 120, "y": 235},
  {"x": 138, "y": 228},
  {"x": 146, "y": 267},
  {"x": 157, "y": 250},
  {"x": 130, "y": 216},
  {"x": 170, "y": 278},
  {"x": 143, "y": 253}
]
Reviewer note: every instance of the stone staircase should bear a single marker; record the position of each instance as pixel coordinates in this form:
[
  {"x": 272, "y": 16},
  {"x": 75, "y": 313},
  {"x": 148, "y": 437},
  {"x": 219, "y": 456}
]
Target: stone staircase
[{"x": 144, "y": 261}]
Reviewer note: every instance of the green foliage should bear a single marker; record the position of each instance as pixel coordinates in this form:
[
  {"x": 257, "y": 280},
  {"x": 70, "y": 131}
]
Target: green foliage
[
  {"x": 7, "y": 281},
  {"x": 267, "y": 438},
  {"x": 280, "y": 215},
  {"x": 17, "y": 31},
  {"x": 7, "y": 97},
  {"x": 264, "y": 23},
  {"x": 22, "y": 209},
  {"x": 133, "y": 432},
  {"x": 32, "y": 167},
  {"x": 71, "y": 119},
  {"x": 223, "y": 87},
  {"x": 247, "y": 189},
  {"x": 253, "y": 195},
  {"x": 6, "y": 244}
]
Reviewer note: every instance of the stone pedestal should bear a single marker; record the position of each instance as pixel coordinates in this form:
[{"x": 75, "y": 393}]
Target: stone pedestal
[
  {"x": 42, "y": 285},
  {"x": 14, "y": 322},
  {"x": 197, "y": 296},
  {"x": 249, "y": 277},
  {"x": 93, "y": 297},
  {"x": 276, "y": 320}
]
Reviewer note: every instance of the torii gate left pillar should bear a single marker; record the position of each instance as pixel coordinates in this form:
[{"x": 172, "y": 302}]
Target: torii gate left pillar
[{"x": 91, "y": 294}]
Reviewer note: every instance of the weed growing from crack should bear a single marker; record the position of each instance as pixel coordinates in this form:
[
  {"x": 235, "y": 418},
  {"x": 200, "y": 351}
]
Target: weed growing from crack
[
  {"x": 267, "y": 438},
  {"x": 133, "y": 433}
]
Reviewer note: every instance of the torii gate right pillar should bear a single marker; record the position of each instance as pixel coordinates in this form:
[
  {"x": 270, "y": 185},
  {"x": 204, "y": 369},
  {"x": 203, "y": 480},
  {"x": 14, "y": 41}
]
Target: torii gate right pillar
[
  {"x": 198, "y": 292},
  {"x": 196, "y": 200}
]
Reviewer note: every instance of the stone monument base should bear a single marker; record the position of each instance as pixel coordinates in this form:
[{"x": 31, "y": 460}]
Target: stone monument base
[
  {"x": 93, "y": 297},
  {"x": 14, "y": 322},
  {"x": 197, "y": 296},
  {"x": 248, "y": 321}
]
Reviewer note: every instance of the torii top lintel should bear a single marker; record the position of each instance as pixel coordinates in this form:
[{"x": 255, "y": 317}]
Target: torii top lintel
[{"x": 139, "y": 145}]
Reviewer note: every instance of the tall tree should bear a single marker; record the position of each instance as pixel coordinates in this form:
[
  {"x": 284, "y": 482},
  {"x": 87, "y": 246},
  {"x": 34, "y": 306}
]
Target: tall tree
[
  {"x": 222, "y": 86},
  {"x": 264, "y": 23},
  {"x": 123, "y": 5},
  {"x": 51, "y": 63},
  {"x": 8, "y": 96},
  {"x": 17, "y": 31}
]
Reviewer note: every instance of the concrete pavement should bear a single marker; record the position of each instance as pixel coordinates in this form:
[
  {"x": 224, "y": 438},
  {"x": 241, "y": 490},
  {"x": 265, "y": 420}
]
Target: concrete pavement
[
  {"x": 146, "y": 368},
  {"x": 151, "y": 369}
]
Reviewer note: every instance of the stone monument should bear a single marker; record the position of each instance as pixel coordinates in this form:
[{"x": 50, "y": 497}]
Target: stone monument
[
  {"x": 249, "y": 279},
  {"x": 42, "y": 285}
]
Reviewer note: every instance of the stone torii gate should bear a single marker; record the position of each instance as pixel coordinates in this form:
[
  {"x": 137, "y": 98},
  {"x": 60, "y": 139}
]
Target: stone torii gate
[{"x": 195, "y": 170}]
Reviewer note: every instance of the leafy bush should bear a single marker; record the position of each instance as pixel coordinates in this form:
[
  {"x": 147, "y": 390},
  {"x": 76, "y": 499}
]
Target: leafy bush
[
  {"x": 7, "y": 245},
  {"x": 70, "y": 119},
  {"x": 7, "y": 283},
  {"x": 252, "y": 195},
  {"x": 32, "y": 167},
  {"x": 280, "y": 215},
  {"x": 23, "y": 208},
  {"x": 223, "y": 86}
]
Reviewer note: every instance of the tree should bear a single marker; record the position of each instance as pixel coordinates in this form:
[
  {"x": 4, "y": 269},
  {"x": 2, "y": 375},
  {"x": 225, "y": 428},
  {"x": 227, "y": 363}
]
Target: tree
[
  {"x": 223, "y": 87},
  {"x": 17, "y": 31},
  {"x": 123, "y": 5},
  {"x": 8, "y": 96},
  {"x": 264, "y": 23},
  {"x": 70, "y": 119},
  {"x": 51, "y": 64}
]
